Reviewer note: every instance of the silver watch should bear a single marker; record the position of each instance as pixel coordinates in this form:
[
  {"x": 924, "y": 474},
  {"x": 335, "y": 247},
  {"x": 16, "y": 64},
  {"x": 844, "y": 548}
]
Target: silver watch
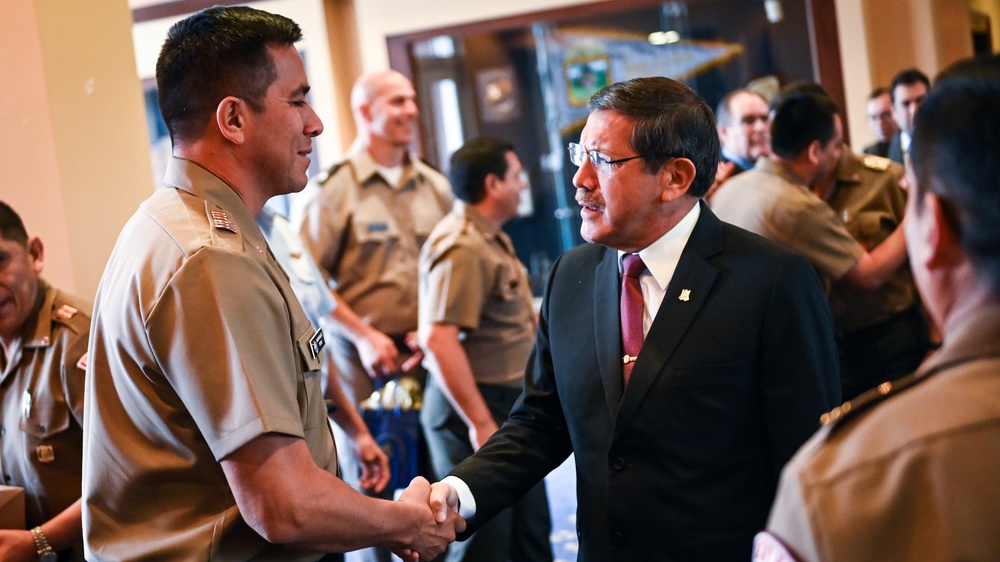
[{"x": 45, "y": 552}]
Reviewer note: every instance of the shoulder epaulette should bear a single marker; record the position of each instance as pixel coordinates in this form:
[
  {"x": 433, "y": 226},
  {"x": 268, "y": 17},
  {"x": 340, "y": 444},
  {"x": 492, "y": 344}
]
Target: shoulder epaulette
[
  {"x": 329, "y": 172},
  {"x": 877, "y": 163},
  {"x": 429, "y": 165},
  {"x": 850, "y": 409}
]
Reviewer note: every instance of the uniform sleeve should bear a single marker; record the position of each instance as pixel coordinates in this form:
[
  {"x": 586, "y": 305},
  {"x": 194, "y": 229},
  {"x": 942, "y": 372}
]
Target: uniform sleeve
[
  {"x": 455, "y": 288},
  {"x": 221, "y": 334},
  {"x": 814, "y": 231},
  {"x": 790, "y": 519}
]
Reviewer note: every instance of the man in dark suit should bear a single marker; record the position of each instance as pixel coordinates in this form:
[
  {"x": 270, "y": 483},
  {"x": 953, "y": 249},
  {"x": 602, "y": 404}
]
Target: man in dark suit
[
  {"x": 679, "y": 462},
  {"x": 880, "y": 119},
  {"x": 908, "y": 89}
]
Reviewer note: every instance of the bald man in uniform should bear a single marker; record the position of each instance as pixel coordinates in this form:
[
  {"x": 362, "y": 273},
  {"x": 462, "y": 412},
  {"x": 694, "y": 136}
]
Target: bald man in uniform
[
  {"x": 206, "y": 434},
  {"x": 43, "y": 332}
]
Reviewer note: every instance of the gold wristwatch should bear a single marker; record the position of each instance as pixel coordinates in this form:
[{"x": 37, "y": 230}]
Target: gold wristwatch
[{"x": 45, "y": 552}]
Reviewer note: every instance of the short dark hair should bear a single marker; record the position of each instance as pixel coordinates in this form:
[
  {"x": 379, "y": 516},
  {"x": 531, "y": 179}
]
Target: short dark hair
[
  {"x": 11, "y": 227},
  {"x": 908, "y": 77},
  {"x": 722, "y": 111},
  {"x": 671, "y": 121},
  {"x": 954, "y": 156},
  {"x": 217, "y": 52},
  {"x": 878, "y": 92},
  {"x": 471, "y": 164},
  {"x": 799, "y": 117}
]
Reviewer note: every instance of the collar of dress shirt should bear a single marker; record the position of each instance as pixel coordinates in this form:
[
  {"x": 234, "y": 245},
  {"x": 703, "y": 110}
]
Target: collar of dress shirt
[{"x": 661, "y": 256}]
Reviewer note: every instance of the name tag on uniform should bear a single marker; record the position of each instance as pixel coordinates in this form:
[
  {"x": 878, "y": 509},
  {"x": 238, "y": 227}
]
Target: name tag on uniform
[
  {"x": 317, "y": 343},
  {"x": 378, "y": 227}
]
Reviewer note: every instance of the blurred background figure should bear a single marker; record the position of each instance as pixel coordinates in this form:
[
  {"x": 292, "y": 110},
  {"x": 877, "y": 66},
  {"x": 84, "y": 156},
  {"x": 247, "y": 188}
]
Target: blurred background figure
[
  {"x": 880, "y": 119},
  {"x": 43, "y": 360},
  {"x": 908, "y": 89},
  {"x": 907, "y": 471}
]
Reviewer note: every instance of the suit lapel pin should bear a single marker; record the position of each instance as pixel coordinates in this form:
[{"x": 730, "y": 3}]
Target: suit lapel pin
[{"x": 685, "y": 295}]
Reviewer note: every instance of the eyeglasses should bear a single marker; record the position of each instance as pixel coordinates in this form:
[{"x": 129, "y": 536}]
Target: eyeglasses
[{"x": 601, "y": 161}]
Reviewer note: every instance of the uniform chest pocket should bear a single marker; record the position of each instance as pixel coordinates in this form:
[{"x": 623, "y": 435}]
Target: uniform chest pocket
[
  {"x": 373, "y": 222},
  {"x": 507, "y": 285},
  {"x": 45, "y": 420}
]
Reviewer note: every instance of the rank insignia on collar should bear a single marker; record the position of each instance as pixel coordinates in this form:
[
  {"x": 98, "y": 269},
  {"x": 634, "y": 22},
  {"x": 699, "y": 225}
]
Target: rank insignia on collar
[
  {"x": 223, "y": 220},
  {"x": 66, "y": 312}
]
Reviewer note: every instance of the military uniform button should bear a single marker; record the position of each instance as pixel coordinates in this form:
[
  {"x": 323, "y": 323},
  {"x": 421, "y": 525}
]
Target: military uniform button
[{"x": 618, "y": 464}]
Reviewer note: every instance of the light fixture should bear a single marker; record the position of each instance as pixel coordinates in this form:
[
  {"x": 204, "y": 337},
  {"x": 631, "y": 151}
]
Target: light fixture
[{"x": 664, "y": 37}]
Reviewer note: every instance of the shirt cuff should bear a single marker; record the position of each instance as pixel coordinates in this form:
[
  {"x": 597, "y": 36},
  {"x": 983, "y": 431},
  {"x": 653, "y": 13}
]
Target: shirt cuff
[{"x": 466, "y": 502}]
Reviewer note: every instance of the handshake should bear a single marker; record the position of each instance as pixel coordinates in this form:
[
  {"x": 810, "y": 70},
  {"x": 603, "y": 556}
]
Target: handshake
[{"x": 433, "y": 510}]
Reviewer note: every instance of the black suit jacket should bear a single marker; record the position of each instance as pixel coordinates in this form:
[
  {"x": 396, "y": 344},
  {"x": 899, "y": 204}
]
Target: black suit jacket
[{"x": 683, "y": 464}]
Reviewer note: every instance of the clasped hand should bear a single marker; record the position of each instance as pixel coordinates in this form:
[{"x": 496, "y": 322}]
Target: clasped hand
[{"x": 436, "y": 519}]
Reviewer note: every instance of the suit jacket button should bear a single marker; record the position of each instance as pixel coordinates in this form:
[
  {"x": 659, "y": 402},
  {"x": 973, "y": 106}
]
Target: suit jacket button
[
  {"x": 618, "y": 464},
  {"x": 617, "y": 538}
]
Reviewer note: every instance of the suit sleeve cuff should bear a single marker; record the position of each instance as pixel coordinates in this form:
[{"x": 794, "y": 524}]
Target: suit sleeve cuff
[{"x": 466, "y": 502}]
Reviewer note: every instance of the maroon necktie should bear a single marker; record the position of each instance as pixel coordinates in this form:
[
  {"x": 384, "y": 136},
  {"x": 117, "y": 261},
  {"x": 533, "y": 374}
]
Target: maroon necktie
[{"x": 631, "y": 311}]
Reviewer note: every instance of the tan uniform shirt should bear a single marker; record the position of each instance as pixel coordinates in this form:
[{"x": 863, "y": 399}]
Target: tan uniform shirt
[
  {"x": 198, "y": 347},
  {"x": 907, "y": 471},
  {"x": 769, "y": 201},
  {"x": 870, "y": 202},
  {"x": 470, "y": 277},
  {"x": 41, "y": 402},
  {"x": 366, "y": 235}
]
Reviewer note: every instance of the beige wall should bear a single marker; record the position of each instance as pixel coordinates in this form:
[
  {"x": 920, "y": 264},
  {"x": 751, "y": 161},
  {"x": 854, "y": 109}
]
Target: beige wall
[{"x": 73, "y": 148}]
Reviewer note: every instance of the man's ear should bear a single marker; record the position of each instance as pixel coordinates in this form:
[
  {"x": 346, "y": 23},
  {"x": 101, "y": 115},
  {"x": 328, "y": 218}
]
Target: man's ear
[
  {"x": 813, "y": 151},
  {"x": 676, "y": 176},
  {"x": 231, "y": 117},
  {"x": 365, "y": 111},
  {"x": 491, "y": 183},
  {"x": 37, "y": 252},
  {"x": 938, "y": 232}
]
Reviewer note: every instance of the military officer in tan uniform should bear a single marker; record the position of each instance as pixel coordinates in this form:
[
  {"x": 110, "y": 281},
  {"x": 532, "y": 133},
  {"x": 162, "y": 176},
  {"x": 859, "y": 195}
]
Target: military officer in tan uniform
[
  {"x": 206, "y": 434},
  {"x": 774, "y": 200},
  {"x": 907, "y": 471},
  {"x": 478, "y": 327},
  {"x": 882, "y": 334},
  {"x": 43, "y": 332},
  {"x": 365, "y": 226}
]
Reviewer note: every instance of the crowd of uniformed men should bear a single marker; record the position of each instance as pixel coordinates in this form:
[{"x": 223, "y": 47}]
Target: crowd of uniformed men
[{"x": 183, "y": 416}]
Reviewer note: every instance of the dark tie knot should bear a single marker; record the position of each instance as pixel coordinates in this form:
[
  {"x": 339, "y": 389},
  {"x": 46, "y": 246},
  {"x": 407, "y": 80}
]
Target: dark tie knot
[{"x": 632, "y": 265}]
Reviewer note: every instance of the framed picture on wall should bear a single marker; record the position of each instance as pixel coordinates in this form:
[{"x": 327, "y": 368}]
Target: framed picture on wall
[
  {"x": 499, "y": 95},
  {"x": 585, "y": 76}
]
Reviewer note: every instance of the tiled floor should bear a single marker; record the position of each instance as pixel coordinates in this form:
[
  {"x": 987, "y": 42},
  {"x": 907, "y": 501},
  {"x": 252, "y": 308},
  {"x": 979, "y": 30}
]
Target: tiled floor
[{"x": 561, "y": 488}]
